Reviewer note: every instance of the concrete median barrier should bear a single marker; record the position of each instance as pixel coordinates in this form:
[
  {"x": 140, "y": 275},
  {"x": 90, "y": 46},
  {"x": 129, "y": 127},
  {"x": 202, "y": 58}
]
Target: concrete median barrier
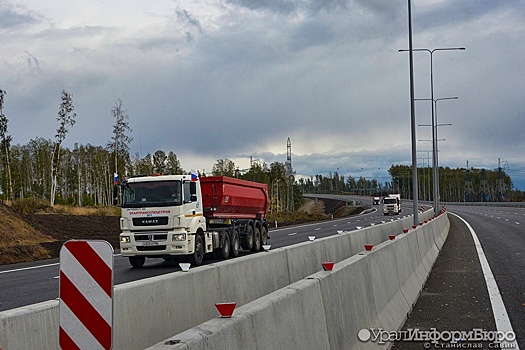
[
  {"x": 411, "y": 272},
  {"x": 370, "y": 290},
  {"x": 337, "y": 248},
  {"x": 304, "y": 259},
  {"x": 151, "y": 308},
  {"x": 391, "y": 306},
  {"x": 33, "y": 327},
  {"x": 147, "y": 311},
  {"x": 257, "y": 275},
  {"x": 253, "y": 325},
  {"x": 349, "y": 303}
]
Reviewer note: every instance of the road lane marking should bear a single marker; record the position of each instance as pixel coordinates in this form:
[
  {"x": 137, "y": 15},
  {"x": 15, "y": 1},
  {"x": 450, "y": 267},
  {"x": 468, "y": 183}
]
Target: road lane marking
[
  {"x": 29, "y": 268},
  {"x": 35, "y": 267},
  {"x": 498, "y": 307},
  {"x": 292, "y": 234}
]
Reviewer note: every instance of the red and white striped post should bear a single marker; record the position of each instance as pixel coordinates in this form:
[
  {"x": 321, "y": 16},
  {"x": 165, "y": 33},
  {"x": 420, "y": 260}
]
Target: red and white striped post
[{"x": 86, "y": 295}]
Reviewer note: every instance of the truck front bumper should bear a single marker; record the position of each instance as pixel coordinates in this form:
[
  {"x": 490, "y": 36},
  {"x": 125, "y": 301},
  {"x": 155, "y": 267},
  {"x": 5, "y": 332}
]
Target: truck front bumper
[{"x": 154, "y": 244}]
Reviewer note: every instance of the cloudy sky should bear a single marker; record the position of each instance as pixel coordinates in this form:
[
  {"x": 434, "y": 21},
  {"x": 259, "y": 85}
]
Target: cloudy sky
[{"x": 210, "y": 79}]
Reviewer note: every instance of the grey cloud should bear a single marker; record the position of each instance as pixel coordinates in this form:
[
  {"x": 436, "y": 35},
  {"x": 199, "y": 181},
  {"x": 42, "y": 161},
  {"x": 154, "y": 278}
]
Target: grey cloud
[
  {"x": 384, "y": 8},
  {"x": 191, "y": 22},
  {"x": 311, "y": 34},
  {"x": 329, "y": 80},
  {"x": 32, "y": 60},
  {"x": 280, "y": 6},
  {"x": 459, "y": 12},
  {"x": 186, "y": 17},
  {"x": 11, "y": 17},
  {"x": 292, "y": 6}
]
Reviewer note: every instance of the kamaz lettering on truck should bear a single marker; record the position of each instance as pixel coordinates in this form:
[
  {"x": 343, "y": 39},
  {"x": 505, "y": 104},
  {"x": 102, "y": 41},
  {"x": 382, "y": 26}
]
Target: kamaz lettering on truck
[
  {"x": 392, "y": 204},
  {"x": 172, "y": 216}
]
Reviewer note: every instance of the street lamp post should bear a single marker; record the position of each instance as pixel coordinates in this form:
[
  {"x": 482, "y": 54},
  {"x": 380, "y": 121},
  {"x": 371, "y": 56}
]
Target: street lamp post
[
  {"x": 427, "y": 173},
  {"x": 434, "y": 136}
]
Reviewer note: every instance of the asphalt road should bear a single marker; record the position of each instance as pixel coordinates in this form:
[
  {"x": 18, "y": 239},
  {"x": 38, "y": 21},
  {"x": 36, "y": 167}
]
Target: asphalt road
[
  {"x": 501, "y": 232},
  {"x": 455, "y": 296},
  {"x": 29, "y": 283}
]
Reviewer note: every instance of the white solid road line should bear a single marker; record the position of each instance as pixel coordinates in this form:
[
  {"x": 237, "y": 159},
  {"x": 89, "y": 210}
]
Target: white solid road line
[
  {"x": 498, "y": 308},
  {"x": 36, "y": 267},
  {"x": 28, "y": 268}
]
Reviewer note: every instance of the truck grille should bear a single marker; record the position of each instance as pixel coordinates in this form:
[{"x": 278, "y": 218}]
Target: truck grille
[
  {"x": 150, "y": 221},
  {"x": 151, "y": 248},
  {"x": 151, "y": 237}
]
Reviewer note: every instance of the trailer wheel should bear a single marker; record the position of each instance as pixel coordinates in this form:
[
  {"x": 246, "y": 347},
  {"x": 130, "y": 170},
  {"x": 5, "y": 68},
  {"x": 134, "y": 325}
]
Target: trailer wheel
[
  {"x": 236, "y": 244},
  {"x": 198, "y": 254},
  {"x": 224, "y": 251},
  {"x": 137, "y": 261},
  {"x": 256, "y": 240},
  {"x": 247, "y": 240},
  {"x": 264, "y": 236}
]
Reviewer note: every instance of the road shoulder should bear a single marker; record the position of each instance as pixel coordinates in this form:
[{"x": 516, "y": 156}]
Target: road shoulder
[{"x": 455, "y": 296}]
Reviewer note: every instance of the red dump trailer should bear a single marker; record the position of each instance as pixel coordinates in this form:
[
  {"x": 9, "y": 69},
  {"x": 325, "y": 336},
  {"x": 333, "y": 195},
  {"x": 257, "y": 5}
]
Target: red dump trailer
[{"x": 229, "y": 198}]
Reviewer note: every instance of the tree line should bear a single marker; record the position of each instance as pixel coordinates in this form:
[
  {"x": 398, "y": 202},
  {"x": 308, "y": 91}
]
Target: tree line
[
  {"x": 45, "y": 169},
  {"x": 455, "y": 185},
  {"x": 85, "y": 175},
  {"x": 336, "y": 183}
]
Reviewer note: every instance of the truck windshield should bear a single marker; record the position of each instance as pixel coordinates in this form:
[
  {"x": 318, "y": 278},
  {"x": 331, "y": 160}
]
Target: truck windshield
[
  {"x": 389, "y": 201},
  {"x": 152, "y": 194}
]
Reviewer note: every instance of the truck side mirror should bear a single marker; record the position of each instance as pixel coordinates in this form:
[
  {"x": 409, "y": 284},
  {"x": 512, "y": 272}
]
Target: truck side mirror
[
  {"x": 193, "y": 191},
  {"x": 115, "y": 195}
]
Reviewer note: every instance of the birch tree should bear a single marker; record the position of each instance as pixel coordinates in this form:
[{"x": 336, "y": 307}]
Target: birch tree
[
  {"x": 119, "y": 143},
  {"x": 5, "y": 140},
  {"x": 66, "y": 120}
]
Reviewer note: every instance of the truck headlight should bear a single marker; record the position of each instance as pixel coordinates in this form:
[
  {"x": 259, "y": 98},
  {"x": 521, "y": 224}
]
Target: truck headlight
[
  {"x": 125, "y": 239},
  {"x": 178, "y": 237}
]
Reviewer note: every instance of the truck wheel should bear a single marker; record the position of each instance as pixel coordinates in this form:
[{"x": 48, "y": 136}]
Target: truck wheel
[
  {"x": 198, "y": 254},
  {"x": 224, "y": 251},
  {"x": 256, "y": 240},
  {"x": 137, "y": 261},
  {"x": 264, "y": 236},
  {"x": 247, "y": 240},
  {"x": 236, "y": 244}
]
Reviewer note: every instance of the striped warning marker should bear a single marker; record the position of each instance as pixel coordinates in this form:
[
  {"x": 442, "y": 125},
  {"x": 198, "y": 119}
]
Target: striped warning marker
[{"x": 86, "y": 295}]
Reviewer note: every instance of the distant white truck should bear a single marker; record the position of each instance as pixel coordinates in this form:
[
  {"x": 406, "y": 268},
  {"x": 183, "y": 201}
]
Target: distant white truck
[
  {"x": 392, "y": 204},
  {"x": 377, "y": 201}
]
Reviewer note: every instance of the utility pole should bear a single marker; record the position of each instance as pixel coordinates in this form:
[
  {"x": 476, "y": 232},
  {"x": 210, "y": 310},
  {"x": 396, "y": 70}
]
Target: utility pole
[
  {"x": 468, "y": 186},
  {"x": 289, "y": 177},
  {"x": 483, "y": 186}
]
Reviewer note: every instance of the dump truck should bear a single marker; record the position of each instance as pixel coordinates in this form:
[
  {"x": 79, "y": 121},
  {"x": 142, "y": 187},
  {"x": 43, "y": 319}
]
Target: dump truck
[
  {"x": 184, "y": 216},
  {"x": 392, "y": 204}
]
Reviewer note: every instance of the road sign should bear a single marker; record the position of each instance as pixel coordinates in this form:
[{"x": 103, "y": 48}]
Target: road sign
[{"x": 86, "y": 295}]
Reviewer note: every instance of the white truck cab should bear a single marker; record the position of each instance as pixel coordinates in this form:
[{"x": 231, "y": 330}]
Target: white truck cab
[
  {"x": 392, "y": 204},
  {"x": 160, "y": 216}
]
